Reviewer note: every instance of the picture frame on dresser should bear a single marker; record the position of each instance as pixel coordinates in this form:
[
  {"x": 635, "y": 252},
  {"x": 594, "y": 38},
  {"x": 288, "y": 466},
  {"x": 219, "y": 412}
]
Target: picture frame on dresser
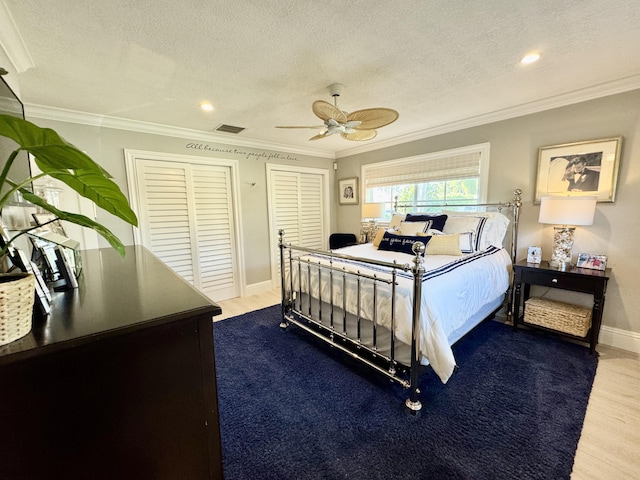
[{"x": 579, "y": 168}]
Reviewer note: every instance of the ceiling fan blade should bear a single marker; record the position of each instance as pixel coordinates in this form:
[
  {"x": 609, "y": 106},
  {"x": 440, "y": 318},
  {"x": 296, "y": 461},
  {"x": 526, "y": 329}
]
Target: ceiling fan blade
[
  {"x": 326, "y": 111},
  {"x": 360, "y": 135},
  {"x": 319, "y": 136},
  {"x": 372, "y": 118},
  {"x": 315, "y": 126}
]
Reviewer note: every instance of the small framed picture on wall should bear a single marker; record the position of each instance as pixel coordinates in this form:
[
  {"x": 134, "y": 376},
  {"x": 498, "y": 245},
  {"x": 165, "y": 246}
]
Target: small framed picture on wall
[{"x": 348, "y": 191}]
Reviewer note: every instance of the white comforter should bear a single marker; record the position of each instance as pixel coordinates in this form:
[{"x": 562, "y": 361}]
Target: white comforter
[{"x": 453, "y": 290}]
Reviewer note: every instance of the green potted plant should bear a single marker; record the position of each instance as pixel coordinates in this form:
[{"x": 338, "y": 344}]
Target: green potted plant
[{"x": 58, "y": 159}]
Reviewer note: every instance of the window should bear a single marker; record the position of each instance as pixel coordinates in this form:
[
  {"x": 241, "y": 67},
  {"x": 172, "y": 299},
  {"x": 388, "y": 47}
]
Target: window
[{"x": 457, "y": 176}]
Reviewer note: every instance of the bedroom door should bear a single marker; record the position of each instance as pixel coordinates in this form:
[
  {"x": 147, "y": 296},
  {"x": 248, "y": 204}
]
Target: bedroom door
[
  {"x": 298, "y": 204},
  {"x": 186, "y": 215}
]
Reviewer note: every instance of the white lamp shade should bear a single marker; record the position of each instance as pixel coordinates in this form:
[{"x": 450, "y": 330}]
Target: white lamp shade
[
  {"x": 372, "y": 210},
  {"x": 559, "y": 210}
]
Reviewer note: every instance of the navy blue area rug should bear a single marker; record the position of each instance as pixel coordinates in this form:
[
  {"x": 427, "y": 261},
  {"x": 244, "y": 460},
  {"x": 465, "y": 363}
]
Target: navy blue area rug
[{"x": 293, "y": 408}]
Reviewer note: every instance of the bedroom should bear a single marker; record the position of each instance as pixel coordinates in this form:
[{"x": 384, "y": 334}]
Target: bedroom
[{"x": 600, "y": 111}]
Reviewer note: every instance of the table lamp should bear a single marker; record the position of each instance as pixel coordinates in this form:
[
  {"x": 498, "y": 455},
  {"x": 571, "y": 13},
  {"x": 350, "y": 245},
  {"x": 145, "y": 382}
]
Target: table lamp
[
  {"x": 370, "y": 212},
  {"x": 565, "y": 213}
]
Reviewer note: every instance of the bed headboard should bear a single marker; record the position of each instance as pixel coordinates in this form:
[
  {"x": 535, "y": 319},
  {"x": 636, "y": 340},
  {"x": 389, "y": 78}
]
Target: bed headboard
[{"x": 511, "y": 209}]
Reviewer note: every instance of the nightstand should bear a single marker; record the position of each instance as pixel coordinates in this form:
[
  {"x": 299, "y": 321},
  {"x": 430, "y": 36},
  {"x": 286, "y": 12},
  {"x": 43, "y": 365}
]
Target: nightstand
[{"x": 576, "y": 279}]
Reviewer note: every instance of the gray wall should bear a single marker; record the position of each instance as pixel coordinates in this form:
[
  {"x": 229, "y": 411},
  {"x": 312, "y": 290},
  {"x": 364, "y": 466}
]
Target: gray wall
[
  {"x": 106, "y": 146},
  {"x": 514, "y": 158}
]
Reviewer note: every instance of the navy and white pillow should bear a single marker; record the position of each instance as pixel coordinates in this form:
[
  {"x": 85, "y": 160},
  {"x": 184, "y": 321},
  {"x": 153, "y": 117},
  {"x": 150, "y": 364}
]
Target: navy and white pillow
[
  {"x": 400, "y": 243},
  {"x": 433, "y": 221},
  {"x": 468, "y": 224}
]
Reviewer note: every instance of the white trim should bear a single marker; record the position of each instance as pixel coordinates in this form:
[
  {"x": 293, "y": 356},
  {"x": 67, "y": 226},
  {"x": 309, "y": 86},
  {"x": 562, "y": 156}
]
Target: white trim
[
  {"x": 82, "y": 118},
  {"x": 622, "y": 339},
  {"x": 326, "y": 211},
  {"x": 258, "y": 288},
  {"x": 577, "y": 96},
  {"x": 11, "y": 41},
  {"x": 132, "y": 155}
]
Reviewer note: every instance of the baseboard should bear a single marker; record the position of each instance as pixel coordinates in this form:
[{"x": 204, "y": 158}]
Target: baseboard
[
  {"x": 258, "y": 288},
  {"x": 617, "y": 338}
]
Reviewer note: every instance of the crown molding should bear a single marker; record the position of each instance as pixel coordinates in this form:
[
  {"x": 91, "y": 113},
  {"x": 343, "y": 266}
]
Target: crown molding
[
  {"x": 577, "y": 96},
  {"x": 105, "y": 121},
  {"x": 12, "y": 43},
  {"x": 570, "y": 98}
]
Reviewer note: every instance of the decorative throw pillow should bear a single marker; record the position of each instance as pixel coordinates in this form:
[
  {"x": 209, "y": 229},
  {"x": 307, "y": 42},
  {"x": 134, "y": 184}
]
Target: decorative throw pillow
[
  {"x": 443, "y": 244},
  {"x": 412, "y": 228},
  {"x": 400, "y": 243},
  {"x": 466, "y": 242},
  {"x": 437, "y": 221},
  {"x": 396, "y": 218},
  {"x": 494, "y": 229},
  {"x": 379, "y": 234},
  {"x": 463, "y": 224}
]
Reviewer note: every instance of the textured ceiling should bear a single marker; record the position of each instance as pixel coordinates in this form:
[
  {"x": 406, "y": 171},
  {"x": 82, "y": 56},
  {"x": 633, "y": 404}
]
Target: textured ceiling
[{"x": 263, "y": 63}]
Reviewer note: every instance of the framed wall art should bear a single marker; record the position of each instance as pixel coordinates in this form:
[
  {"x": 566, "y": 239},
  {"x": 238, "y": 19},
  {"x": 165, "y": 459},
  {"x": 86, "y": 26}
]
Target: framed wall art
[
  {"x": 578, "y": 169},
  {"x": 348, "y": 191}
]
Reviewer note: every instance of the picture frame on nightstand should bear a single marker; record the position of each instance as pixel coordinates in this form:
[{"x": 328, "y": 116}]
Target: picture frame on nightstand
[
  {"x": 534, "y": 255},
  {"x": 591, "y": 261}
]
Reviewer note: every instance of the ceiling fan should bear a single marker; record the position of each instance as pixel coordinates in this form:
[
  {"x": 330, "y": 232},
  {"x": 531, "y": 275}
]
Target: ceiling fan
[{"x": 358, "y": 126}]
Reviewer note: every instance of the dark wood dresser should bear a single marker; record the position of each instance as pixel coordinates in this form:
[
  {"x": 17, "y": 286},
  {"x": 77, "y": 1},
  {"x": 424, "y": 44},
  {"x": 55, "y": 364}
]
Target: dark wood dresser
[{"x": 119, "y": 381}]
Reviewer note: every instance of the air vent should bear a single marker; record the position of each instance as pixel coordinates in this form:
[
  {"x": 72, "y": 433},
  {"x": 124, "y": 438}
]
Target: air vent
[{"x": 228, "y": 129}]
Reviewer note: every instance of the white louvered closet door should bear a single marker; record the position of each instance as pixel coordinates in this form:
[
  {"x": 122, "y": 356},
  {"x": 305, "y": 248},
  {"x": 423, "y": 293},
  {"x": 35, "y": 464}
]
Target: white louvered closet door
[
  {"x": 186, "y": 219},
  {"x": 297, "y": 203}
]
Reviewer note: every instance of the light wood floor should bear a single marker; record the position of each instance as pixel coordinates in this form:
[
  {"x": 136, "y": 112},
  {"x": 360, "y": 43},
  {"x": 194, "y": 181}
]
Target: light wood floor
[{"x": 609, "y": 447}]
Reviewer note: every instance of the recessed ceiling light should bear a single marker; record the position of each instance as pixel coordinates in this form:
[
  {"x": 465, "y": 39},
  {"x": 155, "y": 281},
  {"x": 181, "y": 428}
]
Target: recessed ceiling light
[
  {"x": 530, "y": 58},
  {"x": 206, "y": 106}
]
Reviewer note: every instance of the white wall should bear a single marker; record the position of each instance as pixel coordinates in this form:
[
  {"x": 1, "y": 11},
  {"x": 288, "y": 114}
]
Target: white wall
[{"x": 514, "y": 158}]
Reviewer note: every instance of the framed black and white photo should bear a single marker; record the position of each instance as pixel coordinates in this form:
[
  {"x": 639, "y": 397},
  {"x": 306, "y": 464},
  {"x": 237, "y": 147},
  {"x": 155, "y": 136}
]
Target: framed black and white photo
[
  {"x": 348, "y": 191},
  {"x": 578, "y": 169}
]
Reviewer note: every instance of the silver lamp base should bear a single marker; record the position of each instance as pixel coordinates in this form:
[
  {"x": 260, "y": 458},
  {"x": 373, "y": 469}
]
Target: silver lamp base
[{"x": 562, "y": 246}]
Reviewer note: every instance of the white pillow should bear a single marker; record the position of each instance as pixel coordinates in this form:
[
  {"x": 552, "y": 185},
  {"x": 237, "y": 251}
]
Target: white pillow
[
  {"x": 396, "y": 219},
  {"x": 489, "y": 232},
  {"x": 412, "y": 228},
  {"x": 466, "y": 242}
]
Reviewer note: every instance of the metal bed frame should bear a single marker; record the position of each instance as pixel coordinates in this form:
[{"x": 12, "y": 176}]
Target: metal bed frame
[{"x": 337, "y": 333}]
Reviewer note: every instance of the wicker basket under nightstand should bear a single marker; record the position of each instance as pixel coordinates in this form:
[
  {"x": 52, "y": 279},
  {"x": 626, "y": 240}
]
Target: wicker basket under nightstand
[{"x": 564, "y": 317}]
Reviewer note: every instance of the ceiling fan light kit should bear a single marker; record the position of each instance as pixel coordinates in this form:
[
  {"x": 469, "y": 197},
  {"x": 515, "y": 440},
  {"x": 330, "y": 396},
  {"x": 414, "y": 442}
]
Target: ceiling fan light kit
[{"x": 357, "y": 126}]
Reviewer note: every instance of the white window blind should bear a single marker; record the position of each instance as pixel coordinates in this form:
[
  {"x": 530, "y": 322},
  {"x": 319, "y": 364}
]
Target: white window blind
[{"x": 423, "y": 169}]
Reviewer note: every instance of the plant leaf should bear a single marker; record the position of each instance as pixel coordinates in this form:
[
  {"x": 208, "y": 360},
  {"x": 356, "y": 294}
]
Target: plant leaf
[
  {"x": 103, "y": 192},
  {"x": 49, "y": 148},
  {"x": 77, "y": 219},
  {"x": 59, "y": 159}
]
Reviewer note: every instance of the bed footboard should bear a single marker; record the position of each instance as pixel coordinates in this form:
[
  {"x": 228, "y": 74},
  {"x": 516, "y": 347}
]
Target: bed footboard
[{"x": 315, "y": 295}]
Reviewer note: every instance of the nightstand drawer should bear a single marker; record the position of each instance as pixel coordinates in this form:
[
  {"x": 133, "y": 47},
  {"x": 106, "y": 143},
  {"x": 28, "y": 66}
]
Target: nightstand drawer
[{"x": 562, "y": 280}]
